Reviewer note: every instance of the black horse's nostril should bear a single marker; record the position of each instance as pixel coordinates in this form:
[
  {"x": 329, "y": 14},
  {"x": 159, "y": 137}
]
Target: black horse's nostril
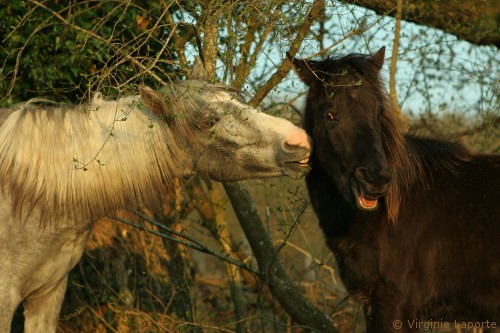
[
  {"x": 360, "y": 174},
  {"x": 367, "y": 176}
]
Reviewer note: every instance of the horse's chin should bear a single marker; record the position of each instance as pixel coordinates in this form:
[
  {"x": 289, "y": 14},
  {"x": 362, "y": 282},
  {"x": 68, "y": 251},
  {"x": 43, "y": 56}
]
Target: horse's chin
[
  {"x": 297, "y": 170},
  {"x": 363, "y": 200}
]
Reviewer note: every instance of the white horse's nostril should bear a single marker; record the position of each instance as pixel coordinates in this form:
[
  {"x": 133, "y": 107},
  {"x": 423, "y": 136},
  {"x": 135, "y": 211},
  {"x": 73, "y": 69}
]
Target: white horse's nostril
[{"x": 299, "y": 139}]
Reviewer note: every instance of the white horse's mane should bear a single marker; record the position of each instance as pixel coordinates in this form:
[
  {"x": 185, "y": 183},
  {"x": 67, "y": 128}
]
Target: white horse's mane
[{"x": 83, "y": 162}]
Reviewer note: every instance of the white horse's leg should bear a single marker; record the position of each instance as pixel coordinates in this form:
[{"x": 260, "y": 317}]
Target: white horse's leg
[
  {"x": 9, "y": 301},
  {"x": 41, "y": 309}
]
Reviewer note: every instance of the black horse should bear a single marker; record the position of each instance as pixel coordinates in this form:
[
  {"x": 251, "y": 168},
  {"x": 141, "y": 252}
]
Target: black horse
[{"x": 414, "y": 222}]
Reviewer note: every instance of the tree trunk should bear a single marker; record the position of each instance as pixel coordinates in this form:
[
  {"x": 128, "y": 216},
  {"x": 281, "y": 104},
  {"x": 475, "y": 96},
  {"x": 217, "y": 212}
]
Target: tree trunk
[
  {"x": 178, "y": 266},
  {"x": 473, "y": 21},
  {"x": 289, "y": 297}
]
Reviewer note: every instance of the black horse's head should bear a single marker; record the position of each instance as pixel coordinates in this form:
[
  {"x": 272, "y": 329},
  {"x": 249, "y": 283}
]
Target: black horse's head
[{"x": 345, "y": 108}]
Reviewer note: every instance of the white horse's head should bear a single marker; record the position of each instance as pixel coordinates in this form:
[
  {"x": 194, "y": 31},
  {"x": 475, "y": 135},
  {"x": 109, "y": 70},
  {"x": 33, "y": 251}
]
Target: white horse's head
[{"x": 226, "y": 139}]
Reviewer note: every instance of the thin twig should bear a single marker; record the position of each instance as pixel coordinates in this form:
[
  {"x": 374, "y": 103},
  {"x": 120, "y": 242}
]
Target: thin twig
[
  {"x": 349, "y": 35},
  {"x": 286, "y": 65},
  {"x": 191, "y": 242}
]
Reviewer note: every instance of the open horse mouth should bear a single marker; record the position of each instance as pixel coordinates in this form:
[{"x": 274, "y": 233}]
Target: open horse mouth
[
  {"x": 304, "y": 162},
  {"x": 302, "y": 165},
  {"x": 297, "y": 168},
  {"x": 363, "y": 200}
]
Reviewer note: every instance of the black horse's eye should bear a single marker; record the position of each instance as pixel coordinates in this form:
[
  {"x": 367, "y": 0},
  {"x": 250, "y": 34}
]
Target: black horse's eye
[{"x": 332, "y": 118}]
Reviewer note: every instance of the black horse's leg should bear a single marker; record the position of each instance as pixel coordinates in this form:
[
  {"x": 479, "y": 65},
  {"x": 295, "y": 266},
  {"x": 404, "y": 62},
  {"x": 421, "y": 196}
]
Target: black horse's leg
[{"x": 391, "y": 314}]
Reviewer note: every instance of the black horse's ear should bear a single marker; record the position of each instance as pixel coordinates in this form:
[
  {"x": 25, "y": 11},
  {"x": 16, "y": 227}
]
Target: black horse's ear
[
  {"x": 154, "y": 101},
  {"x": 304, "y": 69},
  {"x": 378, "y": 58},
  {"x": 199, "y": 72}
]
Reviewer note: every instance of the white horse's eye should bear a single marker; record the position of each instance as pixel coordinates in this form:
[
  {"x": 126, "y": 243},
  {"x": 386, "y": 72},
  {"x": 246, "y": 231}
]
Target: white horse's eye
[{"x": 210, "y": 121}]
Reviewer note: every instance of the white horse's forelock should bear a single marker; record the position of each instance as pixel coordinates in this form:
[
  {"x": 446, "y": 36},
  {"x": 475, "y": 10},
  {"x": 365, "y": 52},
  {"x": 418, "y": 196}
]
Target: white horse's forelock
[{"x": 87, "y": 162}]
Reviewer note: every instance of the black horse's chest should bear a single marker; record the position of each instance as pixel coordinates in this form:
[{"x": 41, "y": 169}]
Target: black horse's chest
[
  {"x": 357, "y": 256},
  {"x": 349, "y": 235}
]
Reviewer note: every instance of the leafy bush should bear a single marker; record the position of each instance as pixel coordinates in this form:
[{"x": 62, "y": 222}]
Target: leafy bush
[{"x": 63, "y": 51}]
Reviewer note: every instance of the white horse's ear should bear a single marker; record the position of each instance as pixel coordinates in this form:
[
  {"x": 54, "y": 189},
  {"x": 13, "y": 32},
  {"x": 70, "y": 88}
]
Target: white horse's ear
[
  {"x": 199, "y": 72},
  {"x": 154, "y": 101}
]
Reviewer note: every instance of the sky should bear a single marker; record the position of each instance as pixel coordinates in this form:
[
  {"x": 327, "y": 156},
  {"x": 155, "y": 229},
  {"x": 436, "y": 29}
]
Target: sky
[{"x": 436, "y": 72}]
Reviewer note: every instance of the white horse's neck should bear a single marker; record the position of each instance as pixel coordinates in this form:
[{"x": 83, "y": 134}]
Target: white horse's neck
[{"x": 86, "y": 162}]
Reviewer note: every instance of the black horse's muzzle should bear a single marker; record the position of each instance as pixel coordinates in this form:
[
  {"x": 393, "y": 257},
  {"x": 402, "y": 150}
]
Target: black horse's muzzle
[{"x": 368, "y": 185}]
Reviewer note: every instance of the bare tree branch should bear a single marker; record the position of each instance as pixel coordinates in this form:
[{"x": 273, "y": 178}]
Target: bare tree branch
[
  {"x": 211, "y": 34},
  {"x": 280, "y": 285},
  {"x": 224, "y": 238},
  {"x": 246, "y": 64},
  {"x": 392, "y": 74},
  {"x": 474, "y": 21},
  {"x": 286, "y": 65},
  {"x": 354, "y": 32},
  {"x": 189, "y": 242}
]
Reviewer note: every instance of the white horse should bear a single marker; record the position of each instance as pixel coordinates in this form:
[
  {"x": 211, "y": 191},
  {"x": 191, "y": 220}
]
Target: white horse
[{"x": 63, "y": 167}]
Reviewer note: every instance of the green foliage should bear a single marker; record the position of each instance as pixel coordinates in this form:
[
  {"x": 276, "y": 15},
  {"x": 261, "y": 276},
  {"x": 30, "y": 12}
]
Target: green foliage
[{"x": 62, "y": 51}]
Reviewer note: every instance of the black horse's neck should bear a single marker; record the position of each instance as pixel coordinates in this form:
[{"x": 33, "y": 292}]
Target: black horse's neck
[{"x": 334, "y": 212}]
